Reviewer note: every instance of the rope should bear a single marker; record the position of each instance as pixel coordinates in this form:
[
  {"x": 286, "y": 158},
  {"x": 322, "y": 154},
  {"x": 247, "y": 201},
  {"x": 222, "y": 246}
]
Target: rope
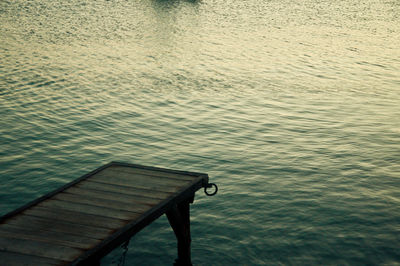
[{"x": 122, "y": 258}]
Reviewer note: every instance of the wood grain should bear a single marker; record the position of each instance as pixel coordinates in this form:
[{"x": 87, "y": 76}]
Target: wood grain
[
  {"x": 37, "y": 248},
  {"x": 82, "y": 221},
  {"x": 122, "y": 189},
  {"x": 19, "y": 259},
  {"x": 138, "y": 171}
]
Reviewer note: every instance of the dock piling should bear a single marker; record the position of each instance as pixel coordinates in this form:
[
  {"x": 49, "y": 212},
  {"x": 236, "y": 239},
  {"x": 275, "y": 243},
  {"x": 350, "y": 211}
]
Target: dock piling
[{"x": 179, "y": 219}]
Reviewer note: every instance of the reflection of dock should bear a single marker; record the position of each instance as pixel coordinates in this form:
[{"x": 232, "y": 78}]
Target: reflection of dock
[{"x": 81, "y": 222}]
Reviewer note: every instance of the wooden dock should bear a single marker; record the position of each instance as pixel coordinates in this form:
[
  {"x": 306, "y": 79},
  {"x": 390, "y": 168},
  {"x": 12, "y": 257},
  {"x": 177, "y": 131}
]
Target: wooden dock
[{"x": 81, "y": 222}]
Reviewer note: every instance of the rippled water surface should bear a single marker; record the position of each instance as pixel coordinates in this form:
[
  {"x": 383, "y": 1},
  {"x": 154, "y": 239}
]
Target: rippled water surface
[{"x": 291, "y": 107}]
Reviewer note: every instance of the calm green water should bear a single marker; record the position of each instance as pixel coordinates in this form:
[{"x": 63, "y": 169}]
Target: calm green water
[{"x": 291, "y": 107}]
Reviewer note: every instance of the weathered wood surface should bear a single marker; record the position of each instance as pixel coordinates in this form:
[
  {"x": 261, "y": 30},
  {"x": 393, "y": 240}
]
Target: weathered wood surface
[{"x": 82, "y": 221}]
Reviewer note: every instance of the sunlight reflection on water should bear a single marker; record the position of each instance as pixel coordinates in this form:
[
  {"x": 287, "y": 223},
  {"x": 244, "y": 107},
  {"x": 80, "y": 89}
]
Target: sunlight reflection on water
[{"x": 290, "y": 106}]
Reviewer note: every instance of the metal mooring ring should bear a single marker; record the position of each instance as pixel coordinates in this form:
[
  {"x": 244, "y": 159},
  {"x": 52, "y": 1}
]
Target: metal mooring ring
[{"x": 208, "y": 186}]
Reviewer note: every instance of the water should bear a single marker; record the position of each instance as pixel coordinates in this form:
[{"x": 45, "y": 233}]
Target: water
[{"x": 291, "y": 107}]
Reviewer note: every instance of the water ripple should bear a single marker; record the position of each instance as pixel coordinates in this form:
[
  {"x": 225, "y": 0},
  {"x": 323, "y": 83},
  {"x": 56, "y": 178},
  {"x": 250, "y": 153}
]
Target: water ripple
[{"x": 290, "y": 106}]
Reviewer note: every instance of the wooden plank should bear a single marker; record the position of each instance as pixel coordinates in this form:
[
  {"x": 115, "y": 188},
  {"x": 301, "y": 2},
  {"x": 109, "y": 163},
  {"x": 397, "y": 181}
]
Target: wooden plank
[
  {"x": 155, "y": 173},
  {"x": 64, "y": 239},
  {"x": 39, "y": 249},
  {"x": 18, "y": 259},
  {"x": 99, "y": 202},
  {"x": 136, "y": 225},
  {"x": 158, "y": 169},
  {"x": 146, "y": 193},
  {"x": 52, "y": 193},
  {"x": 122, "y": 198},
  {"x": 85, "y": 219},
  {"x": 139, "y": 184},
  {"x": 134, "y": 178},
  {"x": 90, "y": 209},
  {"x": 42, "y": 224},
  {"x": 75, "y": 217}
]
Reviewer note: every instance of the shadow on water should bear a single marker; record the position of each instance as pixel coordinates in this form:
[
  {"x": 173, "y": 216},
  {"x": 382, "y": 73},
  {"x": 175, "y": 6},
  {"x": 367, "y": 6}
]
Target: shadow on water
[
  {"x": 172, "y": 18},
  {"x": 173, "y": 3}
]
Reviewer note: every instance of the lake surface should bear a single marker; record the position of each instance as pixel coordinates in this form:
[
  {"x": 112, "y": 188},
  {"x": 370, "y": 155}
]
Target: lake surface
[{"x": 291, "y": 107}]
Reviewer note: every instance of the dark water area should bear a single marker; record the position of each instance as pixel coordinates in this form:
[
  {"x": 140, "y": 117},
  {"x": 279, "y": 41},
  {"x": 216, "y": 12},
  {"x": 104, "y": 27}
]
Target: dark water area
[{"x": 291, "y": 107}]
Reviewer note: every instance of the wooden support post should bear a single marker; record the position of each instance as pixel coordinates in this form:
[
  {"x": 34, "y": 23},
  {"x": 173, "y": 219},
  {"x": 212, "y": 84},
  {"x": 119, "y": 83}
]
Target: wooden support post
[{"x": 179, "y": 219}]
